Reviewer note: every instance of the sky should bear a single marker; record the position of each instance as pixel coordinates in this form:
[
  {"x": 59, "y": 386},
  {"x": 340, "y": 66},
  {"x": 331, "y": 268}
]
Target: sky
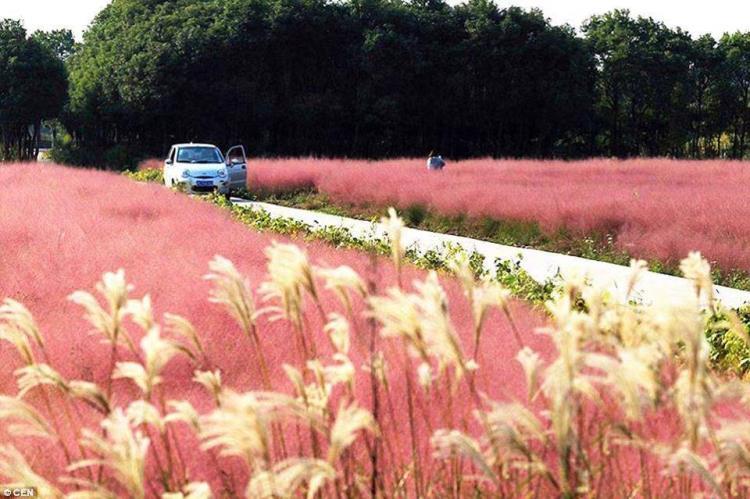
[
  {"x": 697, "y": 17},
  {"x": 75, "y": 15}
]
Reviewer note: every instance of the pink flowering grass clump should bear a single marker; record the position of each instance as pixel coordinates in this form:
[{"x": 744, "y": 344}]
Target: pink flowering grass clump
[
  {"x": 295, "y": 369},
  {"x": 654, "y": 208}
]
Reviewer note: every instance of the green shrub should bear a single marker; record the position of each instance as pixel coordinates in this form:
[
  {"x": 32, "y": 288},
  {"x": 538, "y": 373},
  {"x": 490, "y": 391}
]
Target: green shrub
[
  {"x": 68, "y": 153},
  {"x": 729, "y": 348},
  {"x": 119, "y": 157},
  {"x": 148, "y": 175},
  {"x": 415, "y": 214}
]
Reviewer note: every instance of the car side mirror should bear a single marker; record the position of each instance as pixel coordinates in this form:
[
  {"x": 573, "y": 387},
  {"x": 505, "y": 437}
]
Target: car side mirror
[{"x": 168, "y": 162}]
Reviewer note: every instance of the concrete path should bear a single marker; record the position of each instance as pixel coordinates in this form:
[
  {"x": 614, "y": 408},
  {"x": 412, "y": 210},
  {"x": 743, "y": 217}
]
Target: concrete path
[{"x": 540, "y": 265}]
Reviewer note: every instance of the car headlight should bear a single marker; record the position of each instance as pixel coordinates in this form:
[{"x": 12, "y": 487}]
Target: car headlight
[
  {"x": 222, "y": 173},
  {"x": 186, "y": 174}
]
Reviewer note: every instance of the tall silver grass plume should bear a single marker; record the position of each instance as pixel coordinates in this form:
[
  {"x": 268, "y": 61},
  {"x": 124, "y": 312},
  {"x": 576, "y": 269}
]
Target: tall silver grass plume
[
  {"x": 287, "y": 478},
  {"x": 109, "y": 322},
  {"x": 90, "y": 393},
  {"x": 516, "y": 439},
  {"x": 183, "y": 411},
  {"x": 123, "y": 450},
  {"x": 316, "y": 395},
  {"x": 157, "y": 352},
  {"x": 377, "y": 365},
  {"x": 141, "y": 412},
  {"x": 733, "y": 439},
  {"x": 16, "y": 315},
  {"x": 343, "y": 281},
  {"x": 289, "y": 276},
  {"x": 399, "y": 317},
  {"x": 637, "y": 269},
  {"x": 26, "y": 421},
  {"x": 311, "y": 402},
  {"x": 18, "y": 474},
  {"x": 211, "y": 381},
  {"x": 512, "y": 427},
  {"x": 698, "y": 270},
  {"x": 20, "y": 341},
  {"x": 141, "y": 312},
  {"x": 232, "y": 290},
  {"x": 193, "y": 490},
  {"x": 338, "y": 332},
  {"x": 424, "y": 376},
  {"x": 685, "y": 460},
  {"x": 448, "y": 444},
  {"x": 241, "y": 426},
  {"x": 460, "y": 265},
  {"x": 423, "y": 321},
  {"x": 394, "y": 227},
  {"x": 350, "y": 420},
  {"x": 328, "y": 376},
  {"x": 486, "y": 295},
  {"x": 34, "y": 375},
  {"x": 631, "y": 375},
  {"x": 439, "y": 333},
  {"x": 532, "y": 365},
  {"x": 182, "y": 327}
]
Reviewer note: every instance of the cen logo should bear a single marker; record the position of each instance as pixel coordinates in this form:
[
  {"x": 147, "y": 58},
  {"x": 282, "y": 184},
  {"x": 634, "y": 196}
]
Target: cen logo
[{"x": 19, "y": 492}]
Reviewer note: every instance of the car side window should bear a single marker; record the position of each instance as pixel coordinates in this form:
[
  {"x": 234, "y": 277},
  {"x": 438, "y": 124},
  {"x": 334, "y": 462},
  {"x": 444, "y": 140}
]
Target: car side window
[
  {"x": 236, "y": 156},
  {"x": 172, "y": 154}
]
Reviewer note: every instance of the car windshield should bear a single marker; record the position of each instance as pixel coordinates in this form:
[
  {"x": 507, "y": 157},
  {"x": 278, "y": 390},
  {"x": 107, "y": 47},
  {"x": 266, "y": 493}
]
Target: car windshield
[{"x": 199, "y": 155}]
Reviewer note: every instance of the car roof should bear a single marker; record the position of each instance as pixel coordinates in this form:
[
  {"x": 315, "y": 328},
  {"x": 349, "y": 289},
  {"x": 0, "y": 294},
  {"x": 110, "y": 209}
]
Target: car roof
[{"x": 194, "y": 145}]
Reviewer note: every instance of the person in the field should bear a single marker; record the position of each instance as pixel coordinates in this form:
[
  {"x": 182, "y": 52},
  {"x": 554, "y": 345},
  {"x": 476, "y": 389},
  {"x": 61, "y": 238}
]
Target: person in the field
[{"x": 435, "y": 163}]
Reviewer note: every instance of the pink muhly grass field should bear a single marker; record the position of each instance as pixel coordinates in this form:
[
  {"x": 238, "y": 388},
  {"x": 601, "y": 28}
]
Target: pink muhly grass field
[
  {"x": 61, "y": 228},
  {"x": 655, "y": 208}
]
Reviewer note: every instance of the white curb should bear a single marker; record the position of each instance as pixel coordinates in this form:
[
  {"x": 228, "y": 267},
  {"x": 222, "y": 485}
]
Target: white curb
[{"x": 541, "y": 265}]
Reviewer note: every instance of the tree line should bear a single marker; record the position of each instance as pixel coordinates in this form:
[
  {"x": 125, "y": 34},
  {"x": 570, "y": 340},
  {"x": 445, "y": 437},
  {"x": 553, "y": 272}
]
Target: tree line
[{"x": 385, "y": 78}]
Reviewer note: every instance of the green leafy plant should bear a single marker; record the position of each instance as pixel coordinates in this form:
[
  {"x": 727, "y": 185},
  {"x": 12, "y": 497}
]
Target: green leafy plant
[{"x": 147, "y": 175}]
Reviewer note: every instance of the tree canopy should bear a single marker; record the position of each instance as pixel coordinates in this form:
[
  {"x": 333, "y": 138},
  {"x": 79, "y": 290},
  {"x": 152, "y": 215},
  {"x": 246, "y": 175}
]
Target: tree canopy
[{"x": 33, "y": 87}]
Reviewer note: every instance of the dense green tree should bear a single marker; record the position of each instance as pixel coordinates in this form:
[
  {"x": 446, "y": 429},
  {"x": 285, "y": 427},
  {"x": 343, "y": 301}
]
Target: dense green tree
[
  {"x": 529, "y": 85},
  {"x": 314, "y": 77},
  {"x": 707, "y": 122},
  {"x": 643, "y": 83},
  {"x": 33, "y": 87},
  {"x": 735, "y": 89}
]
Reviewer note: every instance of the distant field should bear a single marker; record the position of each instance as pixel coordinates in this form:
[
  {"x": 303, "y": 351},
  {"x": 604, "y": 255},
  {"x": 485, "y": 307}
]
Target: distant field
[{"x": 656, "y": 209}]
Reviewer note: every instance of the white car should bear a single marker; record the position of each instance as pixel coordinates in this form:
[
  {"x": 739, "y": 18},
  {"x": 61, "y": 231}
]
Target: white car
[{"x": 202, "y": 168}]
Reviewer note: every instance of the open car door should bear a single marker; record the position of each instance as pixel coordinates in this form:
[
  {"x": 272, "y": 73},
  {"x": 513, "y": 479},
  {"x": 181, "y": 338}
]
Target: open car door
[{"x": 237, "y": 167}]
